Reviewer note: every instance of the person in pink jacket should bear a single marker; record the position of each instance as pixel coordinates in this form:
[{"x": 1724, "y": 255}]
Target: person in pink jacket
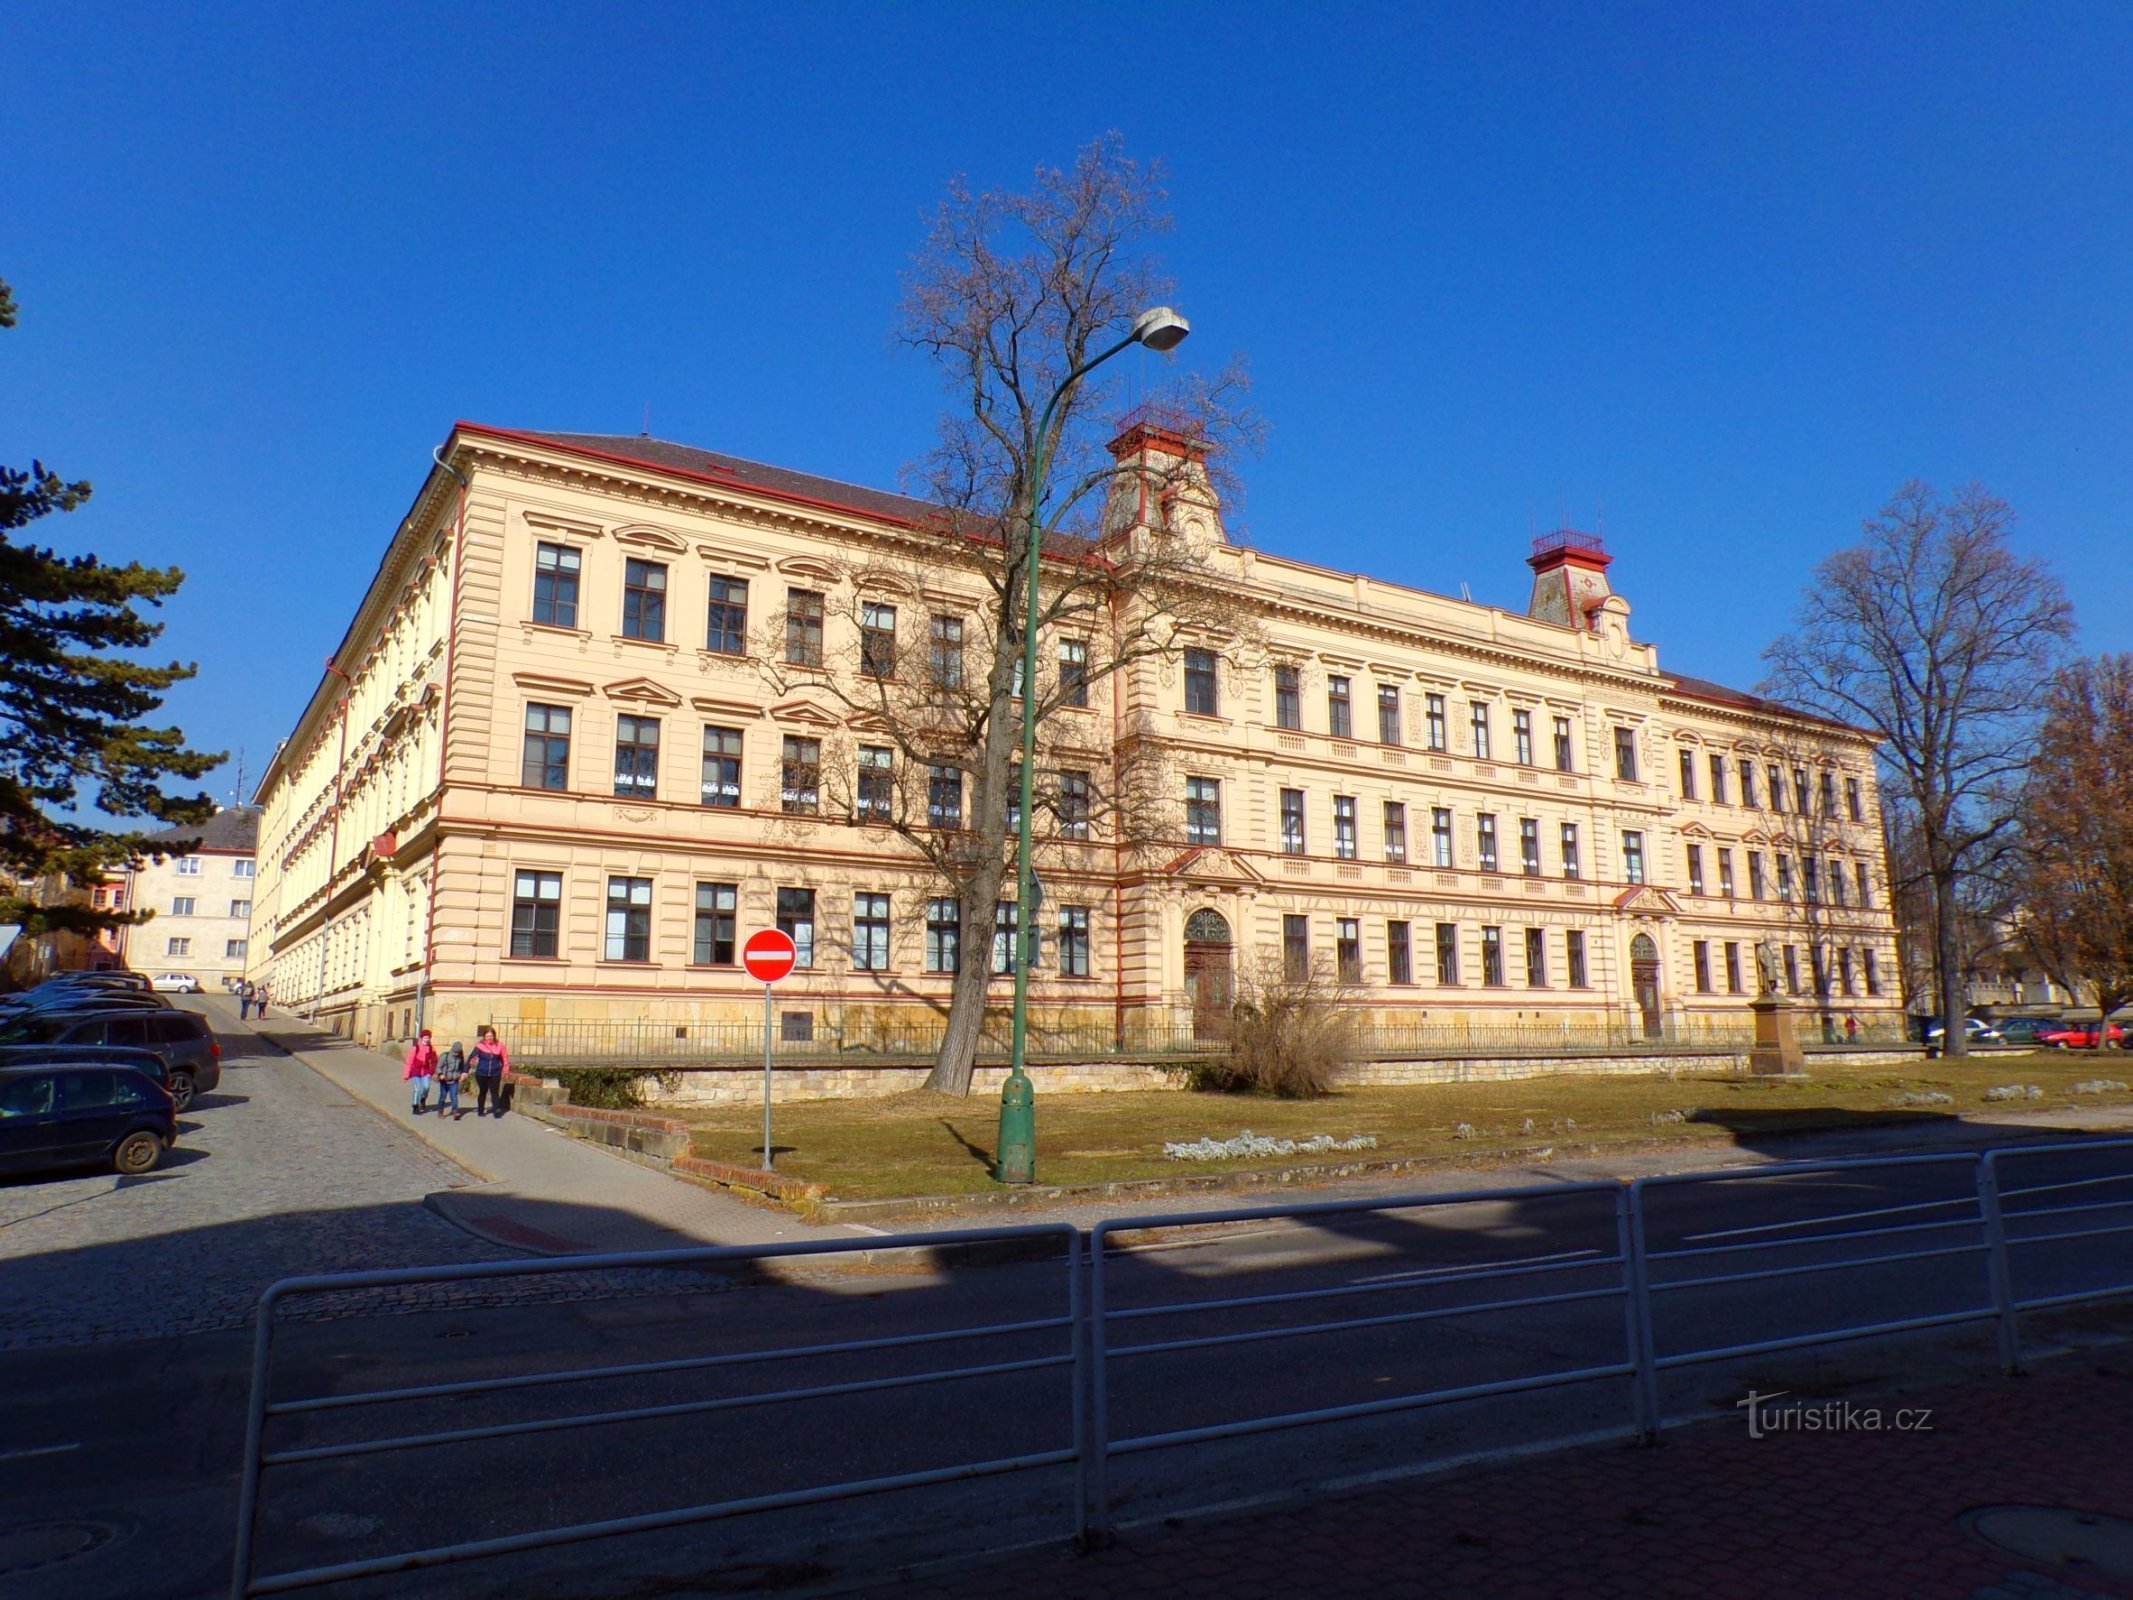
[
  {"x": 492, "y": 1070},
  {"x": 420, "y": 1072}
]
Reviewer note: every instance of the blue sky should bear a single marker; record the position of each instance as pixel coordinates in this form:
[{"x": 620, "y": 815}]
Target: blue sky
[{"x": 1725, "y": 275}]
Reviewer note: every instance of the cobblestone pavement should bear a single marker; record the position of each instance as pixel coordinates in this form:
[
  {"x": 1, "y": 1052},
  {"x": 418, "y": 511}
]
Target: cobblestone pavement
[
  {"x": 1854, "y": 1511},
  {"x": 277, "y": 1173}
]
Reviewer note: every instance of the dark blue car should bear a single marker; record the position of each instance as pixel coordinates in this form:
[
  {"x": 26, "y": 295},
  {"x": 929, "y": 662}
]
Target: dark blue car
[{"x": 71, "y": 1115}]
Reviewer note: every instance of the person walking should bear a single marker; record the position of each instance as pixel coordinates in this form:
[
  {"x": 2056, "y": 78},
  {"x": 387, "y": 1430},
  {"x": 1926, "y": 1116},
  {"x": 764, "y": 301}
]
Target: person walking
[
  {"x": 420, "y": 1072},
  {"x": 259, "y": 1002},
  {"x": 244, "y": 999},
  {"x": 451, "y": 1067},
  {"x": 1851, "y": 1030},
  {"x": 492, "y": 1069}
]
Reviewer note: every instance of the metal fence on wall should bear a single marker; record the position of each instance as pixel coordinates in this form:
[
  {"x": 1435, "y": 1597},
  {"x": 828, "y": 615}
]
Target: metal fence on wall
[{"x": 1148, "y": 1036}]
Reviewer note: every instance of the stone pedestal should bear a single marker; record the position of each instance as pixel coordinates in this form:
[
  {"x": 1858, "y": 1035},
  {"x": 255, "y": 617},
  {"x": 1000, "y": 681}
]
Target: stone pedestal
[{"x": 1777, "y": 1051}]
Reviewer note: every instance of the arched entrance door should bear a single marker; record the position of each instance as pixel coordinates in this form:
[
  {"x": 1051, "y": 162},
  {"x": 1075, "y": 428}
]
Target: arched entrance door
[
  {"x": 1644, "y": 981},
  {"x": 1209, "y": 983}
]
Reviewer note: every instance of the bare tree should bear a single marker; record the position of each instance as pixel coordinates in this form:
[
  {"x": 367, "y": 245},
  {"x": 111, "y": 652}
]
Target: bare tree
[
  {"x": 2076, "y": 814},
  {"x": 1933, "y": 634},
  {"x": 1011, "y": 294}
]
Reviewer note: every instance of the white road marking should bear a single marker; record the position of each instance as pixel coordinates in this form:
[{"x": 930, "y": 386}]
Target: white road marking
[
  {"x": 1839, "y": 1216},
  {"x": 39, "y": 1450},
  {"x": 1482, "y": 1266},
  {"x": 867, "y": 1227}
]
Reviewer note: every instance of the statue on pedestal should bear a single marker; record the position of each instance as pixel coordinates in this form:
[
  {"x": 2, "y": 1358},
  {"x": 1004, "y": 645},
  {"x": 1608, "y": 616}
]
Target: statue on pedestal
[{"x": 1777, "y": 1051}]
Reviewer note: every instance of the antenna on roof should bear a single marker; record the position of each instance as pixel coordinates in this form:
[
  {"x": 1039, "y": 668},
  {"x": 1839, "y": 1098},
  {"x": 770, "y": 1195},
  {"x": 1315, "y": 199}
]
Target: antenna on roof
[
  {"x": 1464, "y": 595},
  {"x": 646, "y": 432}
]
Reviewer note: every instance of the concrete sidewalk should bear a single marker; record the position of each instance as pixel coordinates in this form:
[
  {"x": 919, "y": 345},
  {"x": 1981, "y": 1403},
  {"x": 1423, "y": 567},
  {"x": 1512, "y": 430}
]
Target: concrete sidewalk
[
  {"x": 1857, "y": 1510},
  {"x": 537, "y": 1189}
]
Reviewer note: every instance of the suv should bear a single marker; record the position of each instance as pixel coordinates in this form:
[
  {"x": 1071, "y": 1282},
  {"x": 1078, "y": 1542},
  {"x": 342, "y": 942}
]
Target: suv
[
  {"x": 184, "y": 1041},
  {"x": 74, "y": 1114},
  {"x": 17, "y": 1057}
]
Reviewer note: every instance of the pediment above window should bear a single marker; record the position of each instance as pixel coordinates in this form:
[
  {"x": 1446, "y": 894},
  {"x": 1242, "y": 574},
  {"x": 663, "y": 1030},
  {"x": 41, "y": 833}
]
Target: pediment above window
[
  {"x": 643, "y": 692},
  {"x": 1212, "y": 863},
  {"x": 642, "y": 536},
  {"x": 720, "y": 560},
  {"x": 552, "y": 683},
  {"x": 1645, "y": 901},
  {"x": 805, "y": 713},
  {"x": 712, "y": 706},
  {"x": 568, "y": 527},
  {"x": 809, "y": 567}
]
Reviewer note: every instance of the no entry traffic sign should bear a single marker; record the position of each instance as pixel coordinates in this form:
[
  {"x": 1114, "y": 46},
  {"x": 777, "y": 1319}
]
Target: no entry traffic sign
[{"x": 769, "y": 955}]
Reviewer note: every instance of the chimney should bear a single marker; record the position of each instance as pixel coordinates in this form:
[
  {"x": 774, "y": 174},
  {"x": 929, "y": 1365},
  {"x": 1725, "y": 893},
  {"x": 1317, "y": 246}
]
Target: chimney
[{"x": 1569, "y": 578}]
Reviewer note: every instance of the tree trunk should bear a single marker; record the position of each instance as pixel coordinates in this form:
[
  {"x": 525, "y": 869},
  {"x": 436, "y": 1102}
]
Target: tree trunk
[
  {"x": 966, "y": 1018},
  {"x": 973, "y": 976},
  {"x": 1947, "y": 959}
]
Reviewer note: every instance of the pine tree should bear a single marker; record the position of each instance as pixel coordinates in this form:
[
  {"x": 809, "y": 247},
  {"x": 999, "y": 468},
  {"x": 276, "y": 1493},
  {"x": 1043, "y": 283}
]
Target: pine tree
[{"x": 71, "y": 734}]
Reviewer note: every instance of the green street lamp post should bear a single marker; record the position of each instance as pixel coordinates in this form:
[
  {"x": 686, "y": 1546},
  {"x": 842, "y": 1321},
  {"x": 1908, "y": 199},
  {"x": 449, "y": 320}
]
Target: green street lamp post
[{"x": 1158, "y": 328}]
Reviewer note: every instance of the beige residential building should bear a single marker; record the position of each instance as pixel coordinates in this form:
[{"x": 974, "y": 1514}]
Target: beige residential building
[
  {"x": 582, "y": 737},
  {"x": 202, "y": 901}
]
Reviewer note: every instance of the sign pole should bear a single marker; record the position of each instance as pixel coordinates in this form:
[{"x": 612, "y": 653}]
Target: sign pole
[
  {"x": 766, "y": 1078},
  {"x": 768, "y": 955}
]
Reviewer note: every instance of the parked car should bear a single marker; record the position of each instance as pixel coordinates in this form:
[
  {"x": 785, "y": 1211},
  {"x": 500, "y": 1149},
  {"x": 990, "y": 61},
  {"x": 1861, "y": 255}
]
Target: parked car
[
  {"x": 1975, "y": 1031},
  {"x": 70, "y": 1115},
  {"x": 174, "y": 983},
  {"x": 2081, "y": 1036},
  {"x": 72, "y": 997},
  {"x": 183, "y": 1039},
  {"x": 16, "y": 1057},
  {"x": 2025, "y": 1030},
  {"x": 109, "y": 982}
]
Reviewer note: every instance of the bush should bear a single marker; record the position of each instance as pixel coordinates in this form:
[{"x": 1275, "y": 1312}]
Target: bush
[
  {"x": 1290, "y": 1039},
  {"x": 609, "y": 1088}
]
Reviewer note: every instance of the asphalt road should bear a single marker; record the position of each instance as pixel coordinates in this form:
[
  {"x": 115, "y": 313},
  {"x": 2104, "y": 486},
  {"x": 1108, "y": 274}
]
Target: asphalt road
[
  {"x": 131, "y": 1441},
  {"x": 1384, "y": 1267}
]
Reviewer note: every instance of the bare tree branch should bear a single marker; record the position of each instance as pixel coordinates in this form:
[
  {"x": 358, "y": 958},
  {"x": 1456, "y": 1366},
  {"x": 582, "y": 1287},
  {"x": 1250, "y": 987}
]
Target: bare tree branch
[{"x": 1934, "y": 635}]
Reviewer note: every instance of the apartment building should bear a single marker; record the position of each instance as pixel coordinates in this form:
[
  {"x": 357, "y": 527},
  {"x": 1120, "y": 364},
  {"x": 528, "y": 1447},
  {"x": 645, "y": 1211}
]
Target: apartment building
[
  {"x": 590, "y": 726},
  {"x": 201, "y": 901}
]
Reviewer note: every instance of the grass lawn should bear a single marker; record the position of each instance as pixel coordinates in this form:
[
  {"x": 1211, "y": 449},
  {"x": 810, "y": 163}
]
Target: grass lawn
[{"x": 926, "y": 1144}]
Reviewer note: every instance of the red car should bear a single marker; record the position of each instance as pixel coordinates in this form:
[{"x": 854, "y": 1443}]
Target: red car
[{"x": 2080, "y": 1036}]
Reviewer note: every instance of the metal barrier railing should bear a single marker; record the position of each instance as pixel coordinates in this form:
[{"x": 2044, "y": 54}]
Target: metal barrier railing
[
  {"x": 1977, "y": 1214},
  {"x": 1103, "y": 1316},
  {"x": 2012, "y": 1303},
  {"x": 263, "y": 1410},
  {"x": 1650, "y": 1287}
]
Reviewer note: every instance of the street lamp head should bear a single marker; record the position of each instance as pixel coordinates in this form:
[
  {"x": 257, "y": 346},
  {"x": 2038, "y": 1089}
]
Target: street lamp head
[{"x": 1160, "y": 328}]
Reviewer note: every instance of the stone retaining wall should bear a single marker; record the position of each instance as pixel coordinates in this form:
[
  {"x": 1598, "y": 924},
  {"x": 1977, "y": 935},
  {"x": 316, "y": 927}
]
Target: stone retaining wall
[{"x": 700, "y": 1086}]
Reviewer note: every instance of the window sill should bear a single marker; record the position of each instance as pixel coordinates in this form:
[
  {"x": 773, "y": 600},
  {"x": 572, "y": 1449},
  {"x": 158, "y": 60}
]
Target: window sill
[
  {"x": 557, "y": 627},
  {"x": 645, "y": 644},
  {"x": 539, "y": 961}
]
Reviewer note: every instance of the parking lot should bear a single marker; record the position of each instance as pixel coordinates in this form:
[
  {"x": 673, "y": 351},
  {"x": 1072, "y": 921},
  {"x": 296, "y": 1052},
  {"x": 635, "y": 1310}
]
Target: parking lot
[{"x": 278, "y": 1172}]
